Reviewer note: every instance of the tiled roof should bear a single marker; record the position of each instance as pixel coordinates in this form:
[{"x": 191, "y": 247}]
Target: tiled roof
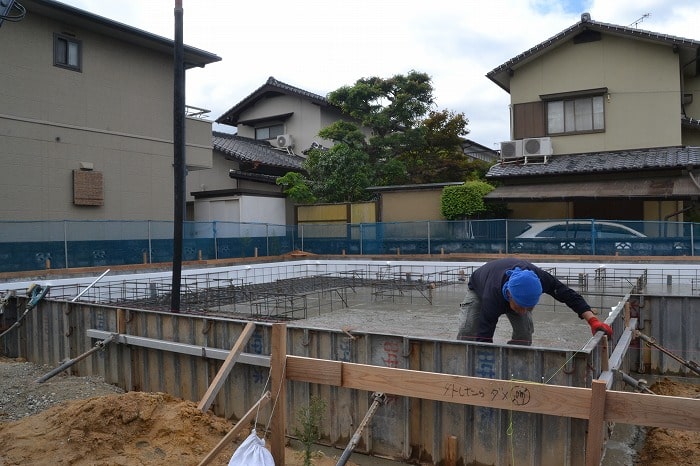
[
  {"x": 271, "y": 87},
  {"x": 501, "y": 74},
  {"x": 251, "y": 150},
  {"x": 602, "y": 162}
]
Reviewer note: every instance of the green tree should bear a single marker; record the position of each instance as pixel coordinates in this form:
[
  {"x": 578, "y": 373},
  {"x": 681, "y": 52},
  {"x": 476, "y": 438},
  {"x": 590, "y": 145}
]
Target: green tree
[
  {"x": 403, "y": 129},
  {"x": 339, "y": 174},
  {"x": 441, "y": 158},
  {"x": 296, "y": 187},
  {"x": 465, "y": 200}
]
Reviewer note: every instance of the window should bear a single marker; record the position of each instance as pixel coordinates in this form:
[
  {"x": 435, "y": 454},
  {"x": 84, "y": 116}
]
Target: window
[
  {"x": 269, "y": 132},
  {"x": 576, "y": 115},
  {"x": 67, "y": 52}
]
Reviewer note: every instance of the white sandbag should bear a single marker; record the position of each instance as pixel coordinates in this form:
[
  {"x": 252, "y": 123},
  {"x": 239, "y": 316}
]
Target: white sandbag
[{"x": 252, "y": 452}]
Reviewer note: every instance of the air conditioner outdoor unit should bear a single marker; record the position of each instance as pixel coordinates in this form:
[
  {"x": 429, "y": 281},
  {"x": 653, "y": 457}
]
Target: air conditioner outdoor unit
[
  {"x": 537, "y": 146},
  {"x": 284, "y": 140},
  {"x": 512, "y": 149}
]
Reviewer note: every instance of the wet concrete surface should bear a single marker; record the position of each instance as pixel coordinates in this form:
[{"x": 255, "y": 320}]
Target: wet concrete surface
[{"x": 434, "y": 315}]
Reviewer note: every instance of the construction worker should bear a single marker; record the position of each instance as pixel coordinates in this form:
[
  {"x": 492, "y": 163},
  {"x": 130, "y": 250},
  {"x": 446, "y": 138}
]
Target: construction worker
[{"x": 513, "y": 287}]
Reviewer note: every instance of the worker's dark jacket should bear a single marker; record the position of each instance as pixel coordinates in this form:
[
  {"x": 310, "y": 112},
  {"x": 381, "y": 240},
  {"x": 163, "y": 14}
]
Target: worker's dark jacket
[{"x": 487, "y": 282}]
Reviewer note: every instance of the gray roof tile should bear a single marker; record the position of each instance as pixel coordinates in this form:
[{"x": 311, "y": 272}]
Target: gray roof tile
[
  {"x": 602, "y": 162},
  {"x": 252, "y": 150}
]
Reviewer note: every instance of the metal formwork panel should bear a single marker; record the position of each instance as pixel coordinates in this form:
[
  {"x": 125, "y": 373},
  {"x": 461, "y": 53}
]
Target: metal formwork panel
[
  {"x": 402, "y": 428},
  {"x": 674, "y": 323}
]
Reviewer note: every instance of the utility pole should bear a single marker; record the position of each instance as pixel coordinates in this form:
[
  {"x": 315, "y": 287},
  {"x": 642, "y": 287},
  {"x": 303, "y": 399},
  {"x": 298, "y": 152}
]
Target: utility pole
[{"x": 179, "y": 158}]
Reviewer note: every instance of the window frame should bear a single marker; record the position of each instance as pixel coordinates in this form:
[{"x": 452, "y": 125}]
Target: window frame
[
  {"x": 62, "y": 60},
  {"x": 569, "y": 102},
  {"x": 279, "y": 126}
]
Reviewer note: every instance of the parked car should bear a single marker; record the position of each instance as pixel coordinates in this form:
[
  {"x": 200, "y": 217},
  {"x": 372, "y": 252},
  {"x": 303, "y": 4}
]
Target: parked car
[
  {"x": 579, "y": 229},
  {"x": 583, "y": 236}
]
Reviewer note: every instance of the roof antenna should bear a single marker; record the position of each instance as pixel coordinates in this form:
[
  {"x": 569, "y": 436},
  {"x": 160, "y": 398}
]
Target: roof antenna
[{"x": 636, "y": 23}]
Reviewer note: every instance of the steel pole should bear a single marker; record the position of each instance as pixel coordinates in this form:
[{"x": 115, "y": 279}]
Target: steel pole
[{"x": 179, "y": 158}]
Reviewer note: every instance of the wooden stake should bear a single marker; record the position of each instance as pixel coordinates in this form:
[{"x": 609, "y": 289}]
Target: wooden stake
[
  {"x": 278, "y": 362},
  {"x": 596, "y": 424},
  {"x": 451, "y": 453},
  {"x": 226, "y": 367},
  {"x": 244, "y": 421},
  {"x": 121, "y": 321}
]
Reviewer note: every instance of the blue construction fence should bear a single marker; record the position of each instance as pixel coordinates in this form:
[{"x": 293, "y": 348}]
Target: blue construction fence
[{"x": 38, "y": 245}]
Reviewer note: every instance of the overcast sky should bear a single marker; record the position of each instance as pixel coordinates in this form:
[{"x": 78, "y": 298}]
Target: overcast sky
[{"x": 320, "y": 45}]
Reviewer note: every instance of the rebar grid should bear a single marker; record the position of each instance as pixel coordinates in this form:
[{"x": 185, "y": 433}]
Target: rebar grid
[{"x": 290, "y": 292}]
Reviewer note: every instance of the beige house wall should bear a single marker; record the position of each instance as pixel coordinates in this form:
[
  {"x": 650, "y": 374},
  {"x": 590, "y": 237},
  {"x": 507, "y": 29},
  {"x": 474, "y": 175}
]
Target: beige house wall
[
  {"x": 642, "y": 106},
  {"x": 303, "y": 125},
  {"x": 662, "y": 210},
  {"x": 356, "y": 212},
  {"x": 211, "y": 180},
  {"x": 198, "y": 147},
  {"x": 38, "y": 160},
  {"x": 409, "y": 206},
  {"x": 114, "y": 115}
]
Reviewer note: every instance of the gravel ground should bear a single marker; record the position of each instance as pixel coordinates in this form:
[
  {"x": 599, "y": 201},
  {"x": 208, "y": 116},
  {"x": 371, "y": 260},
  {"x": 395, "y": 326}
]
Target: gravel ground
[{"x": 23, "y": 396}]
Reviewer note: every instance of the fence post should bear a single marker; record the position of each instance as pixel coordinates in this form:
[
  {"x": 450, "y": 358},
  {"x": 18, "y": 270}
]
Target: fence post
[
  {"x": 506, "y": 220},
  {"x": 267, "y": 239},
  {"x": 65, "y": 241},
  {"x": 362, "y": 239},
  {"x": 150, "y": 245},
  {"x": 428, "y": 237},
  {"x": 692, "y": 243},
  {"x": 301, "y": 235},
  {"x": 216, "y": 240}
]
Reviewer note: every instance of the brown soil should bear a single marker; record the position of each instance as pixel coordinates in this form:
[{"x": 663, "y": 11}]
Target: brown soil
[
  {"x": 84, "y": 421},
  {"x": 129, "y": 429},
  {"x": 665, "y": 447}
]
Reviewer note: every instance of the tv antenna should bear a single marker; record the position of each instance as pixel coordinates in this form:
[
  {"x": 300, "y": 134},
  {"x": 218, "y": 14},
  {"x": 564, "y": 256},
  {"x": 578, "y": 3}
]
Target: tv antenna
[{"x": 636, "y": 23}]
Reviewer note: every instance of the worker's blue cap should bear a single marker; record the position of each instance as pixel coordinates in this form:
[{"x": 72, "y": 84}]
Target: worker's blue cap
[{"x": 524, "y": 286}]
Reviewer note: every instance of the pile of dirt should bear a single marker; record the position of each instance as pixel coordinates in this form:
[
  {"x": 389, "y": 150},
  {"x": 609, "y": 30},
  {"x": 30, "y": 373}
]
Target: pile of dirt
[
  {"x": 84, "y": 421},
  {"x": 130, "y": 429},
  {"x": 663, "y": 447}
]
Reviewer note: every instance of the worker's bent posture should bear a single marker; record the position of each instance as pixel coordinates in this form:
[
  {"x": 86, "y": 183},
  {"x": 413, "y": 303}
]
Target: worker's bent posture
[{"x": 513, "y": 287}]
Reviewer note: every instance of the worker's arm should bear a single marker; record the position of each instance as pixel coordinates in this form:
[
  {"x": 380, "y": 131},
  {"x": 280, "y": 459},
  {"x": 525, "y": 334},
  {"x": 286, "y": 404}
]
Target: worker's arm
[{"x": 596, "y": 325}]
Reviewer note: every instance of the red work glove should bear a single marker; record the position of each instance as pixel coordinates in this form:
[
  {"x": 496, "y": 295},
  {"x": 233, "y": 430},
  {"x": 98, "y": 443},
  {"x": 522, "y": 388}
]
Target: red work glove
[{"x": 597, "y": 325}]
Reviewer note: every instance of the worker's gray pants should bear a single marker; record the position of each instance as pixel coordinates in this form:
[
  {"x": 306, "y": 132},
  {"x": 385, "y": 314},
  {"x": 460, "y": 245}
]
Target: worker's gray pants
[{"x": 470, "y": 316}]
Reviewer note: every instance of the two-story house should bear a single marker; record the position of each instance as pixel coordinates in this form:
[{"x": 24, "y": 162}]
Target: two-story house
[
  {"x": 86, "y": 117},
  {"x": 604, "y": 124},
  {"x": 275, "y": 125}
]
